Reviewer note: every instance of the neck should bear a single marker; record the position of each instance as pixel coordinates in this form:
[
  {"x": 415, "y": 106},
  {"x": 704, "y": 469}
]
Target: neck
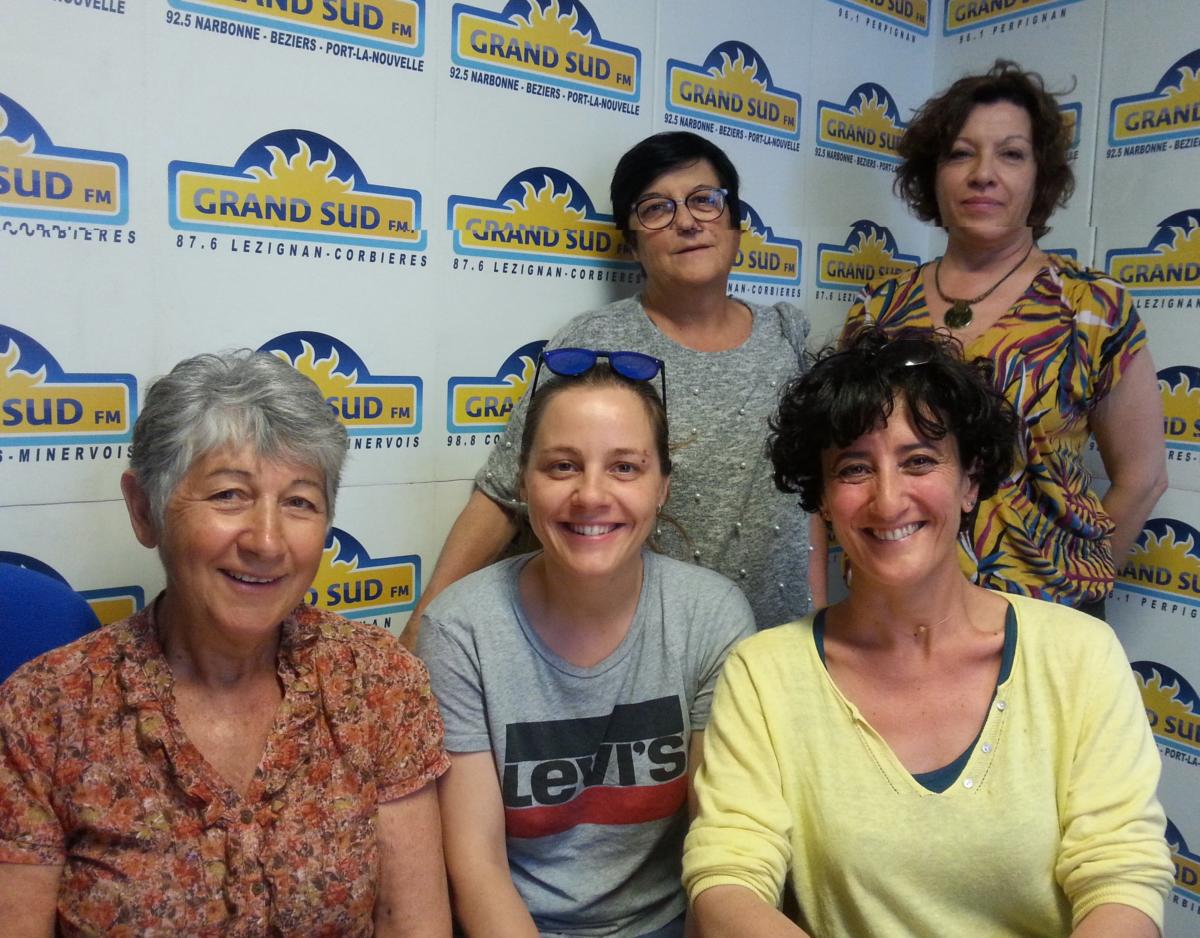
[
  {"x": 583, "y": 618},
  {"x": 687, "y": 307},
  {"x": 899, "y": 616},
  {"x": 197, "y": 655},
  {"x": 975, "y": 256}
]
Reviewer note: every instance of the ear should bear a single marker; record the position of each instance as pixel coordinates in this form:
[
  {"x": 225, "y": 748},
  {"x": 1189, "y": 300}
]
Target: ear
[
  {"x": 137, "y": 503},
  {"x": 971, "y": 494},
  {"x": 664, "y": 492}
]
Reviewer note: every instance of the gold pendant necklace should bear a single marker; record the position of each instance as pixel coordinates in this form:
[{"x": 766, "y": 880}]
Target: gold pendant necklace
[{"x": 960, "y": 313}]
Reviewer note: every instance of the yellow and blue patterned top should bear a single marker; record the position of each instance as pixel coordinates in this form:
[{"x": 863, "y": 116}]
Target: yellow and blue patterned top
[{"x": 1058, "y": 351}]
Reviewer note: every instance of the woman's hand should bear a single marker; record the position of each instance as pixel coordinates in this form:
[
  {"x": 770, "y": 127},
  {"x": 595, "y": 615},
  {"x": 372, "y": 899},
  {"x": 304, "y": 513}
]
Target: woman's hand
[
  {"x": 29, "y": 900},
  {"x": 486, "y": 902},
  {"x": 735, "y": 911},
  {"x": 411, "y": 899},
  {"x": 1128, "y": 425}
]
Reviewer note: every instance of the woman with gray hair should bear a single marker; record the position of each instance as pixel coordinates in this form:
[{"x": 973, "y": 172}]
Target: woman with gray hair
[{"x": 228, "y": 759}]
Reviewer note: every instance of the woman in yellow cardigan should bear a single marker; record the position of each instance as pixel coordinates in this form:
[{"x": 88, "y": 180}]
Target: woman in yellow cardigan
[{"x": 926, "y": 757}]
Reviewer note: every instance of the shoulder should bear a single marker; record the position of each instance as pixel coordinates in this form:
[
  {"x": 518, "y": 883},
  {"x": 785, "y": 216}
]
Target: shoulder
[
  {"x": 697, "y": 586},
  {"x": 1055, "y": 637},
  {"x": 1086, "y": 288},
  {"x": 363, "y": 648},
  {"x": 775, "y": 651},
  {"x": 615, "y": 319}
]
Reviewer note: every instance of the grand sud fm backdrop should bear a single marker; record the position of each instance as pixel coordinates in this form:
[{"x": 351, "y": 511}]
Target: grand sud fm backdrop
[{"x": 405, "y": 197}]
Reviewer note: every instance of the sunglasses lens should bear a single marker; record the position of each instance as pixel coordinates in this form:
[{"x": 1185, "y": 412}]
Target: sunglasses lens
[
  {"x": 634, "y": 365},
  {"x": 570, "y": 362}
]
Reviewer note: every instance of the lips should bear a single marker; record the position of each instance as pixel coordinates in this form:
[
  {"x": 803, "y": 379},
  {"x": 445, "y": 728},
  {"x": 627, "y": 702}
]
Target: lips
[
  {"x": 896, "y": 534},
  {"x": 249, "y": 579},
  {"x": 591, "y": 530}
]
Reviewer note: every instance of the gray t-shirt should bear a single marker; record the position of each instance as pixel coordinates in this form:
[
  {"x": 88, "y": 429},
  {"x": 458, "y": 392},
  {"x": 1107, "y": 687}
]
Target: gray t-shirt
[
  {"x": 592, "y": 762},
  {"x": 730, "y": 516}
]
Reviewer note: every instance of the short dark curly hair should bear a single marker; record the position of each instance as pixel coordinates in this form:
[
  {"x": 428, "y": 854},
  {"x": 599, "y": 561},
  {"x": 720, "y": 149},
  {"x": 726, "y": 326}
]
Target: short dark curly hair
[
  {"x": 850, "y": 390},
  {"x": 928, "y": 139}
]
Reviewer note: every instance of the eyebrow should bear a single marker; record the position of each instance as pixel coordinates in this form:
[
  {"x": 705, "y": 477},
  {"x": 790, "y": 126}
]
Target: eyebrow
[
  {"x": 247, "y": 474},
  {"x": 905, "y": 450},
  {"x": 655, "y": 194}
]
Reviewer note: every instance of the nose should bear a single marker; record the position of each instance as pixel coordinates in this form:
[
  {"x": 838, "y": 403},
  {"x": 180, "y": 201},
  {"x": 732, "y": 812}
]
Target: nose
[
  {"x": 982, "y": 170},
  {"x": 263, "y": 534},
  {"x": 684, "y": 220},
  {"x": 888, "y": 496},
  {"x": 591, "y": 490}
]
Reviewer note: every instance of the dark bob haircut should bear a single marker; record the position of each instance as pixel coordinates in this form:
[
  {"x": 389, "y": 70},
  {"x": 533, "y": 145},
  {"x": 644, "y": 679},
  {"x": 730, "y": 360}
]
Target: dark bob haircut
[
  {"x": 659, "y": 154},
  {"x": 928, "y": 139},
  {"x": 601, "y": 375},
  {"x": 853, "y": 390}
]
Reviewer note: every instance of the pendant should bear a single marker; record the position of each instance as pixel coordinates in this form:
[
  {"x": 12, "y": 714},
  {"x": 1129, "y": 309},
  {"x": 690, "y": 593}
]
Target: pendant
[{"x": 959, "y": 315}]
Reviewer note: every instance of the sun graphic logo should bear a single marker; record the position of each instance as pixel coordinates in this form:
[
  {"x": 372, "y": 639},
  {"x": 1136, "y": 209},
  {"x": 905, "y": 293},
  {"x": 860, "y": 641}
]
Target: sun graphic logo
[
  {"x": 110, "y": 604},
  {"x": 1187, "y": 868},
  {"x": 541, "y": 213},
  {"x": 388, "y": 25},
  {"x": 912, "y": 15},
  {"x": 733, "y": 86},
  {"x": 868, "y": 124},
  {"x": 1169, "y": 265},
  {"x": 1165, "y": 562},
  {"x": 963, "y": 15},
  {"x": 40, "y": 180},
  {"x": 1172, "y": 707},
  {"x": 1180, "y": 389},
  {"x": 294, "y": 184},
  {"x": 42, "y": 405},
  {"x": 1072, "y": 117},
  {"x": 367, "y": 405},
  {"x": 763, "y": 256},
  {"x": 483, "y": 405},
  {"x": 352, "y": 584},
  {"x": 1170, "y": 112},
  {"x": 869, "y": 252},
  {"x": 554, "y": 41}
]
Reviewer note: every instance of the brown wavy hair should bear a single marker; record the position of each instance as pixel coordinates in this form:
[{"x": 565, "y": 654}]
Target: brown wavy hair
[{"x": 934, "y": 128}]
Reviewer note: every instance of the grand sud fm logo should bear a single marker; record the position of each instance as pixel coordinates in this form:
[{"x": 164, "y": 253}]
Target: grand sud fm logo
[
  {"x": 1170, "y": 112},
  {"x": 912, "y": 15},
  {"x": 540, "y": 214},
  {"x": 1187, "y": 867},
  {"x": 1164, "y": 563},
  {"x": 43, "y": 181},
  {"x": 868, "y": 124},
  {"x": 43, "y": 405},
  {"x": 1169, "y": 265},
  {"x": 1172, "y": 707},
  {"x": 763, "y": 256},
  {"x": 553, "y": 41},
  {"x": 964, "y": 15},
  {"x": 110, "y": 604},
  {"x": 353, "y": 584},
  {"x": 294, "y": 184},
  {"x": 869, "y": 252},
  {"x": 483, "y": 405},
  {"x": 1179, "y": 386},
  {"x": 368, "y": 405},
  {"x": 388, "y": 25},
  {"x": 733, "y": 87}
]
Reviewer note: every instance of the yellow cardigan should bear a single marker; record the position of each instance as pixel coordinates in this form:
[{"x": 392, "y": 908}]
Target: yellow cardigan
[{"x": 1054, "y": 814}]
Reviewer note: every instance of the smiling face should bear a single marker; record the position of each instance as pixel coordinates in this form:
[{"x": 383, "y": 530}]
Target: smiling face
[
  {"x": 985, "y": 185},
  {"x": 593, "y": 481},
  {"x": 687, "y": 253},
  {"x": 241, "y": 542},
  {"x": 895, "y": 500}
]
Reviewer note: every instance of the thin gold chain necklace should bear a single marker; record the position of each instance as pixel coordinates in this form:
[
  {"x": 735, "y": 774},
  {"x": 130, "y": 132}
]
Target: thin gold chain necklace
[{"x": 960, "y": 313}]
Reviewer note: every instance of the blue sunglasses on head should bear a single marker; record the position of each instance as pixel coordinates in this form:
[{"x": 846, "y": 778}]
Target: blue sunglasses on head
[{"x": 573, "y": 362}]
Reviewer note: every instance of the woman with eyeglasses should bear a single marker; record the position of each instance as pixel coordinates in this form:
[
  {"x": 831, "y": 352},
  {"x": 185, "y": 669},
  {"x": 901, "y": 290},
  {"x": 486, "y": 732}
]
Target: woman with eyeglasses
[
  {"x": 925, "y": 757},
  {"x": 675, "y": 196},
  {"x": 575, "y": 682},
  {"x": 987, "y": 161}
]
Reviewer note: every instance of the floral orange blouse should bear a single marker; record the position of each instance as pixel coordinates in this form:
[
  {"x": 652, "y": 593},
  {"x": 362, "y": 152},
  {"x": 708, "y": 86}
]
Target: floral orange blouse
[
  {"x": 97, "y": 775},
  {"x": 1058, "y": 351}
]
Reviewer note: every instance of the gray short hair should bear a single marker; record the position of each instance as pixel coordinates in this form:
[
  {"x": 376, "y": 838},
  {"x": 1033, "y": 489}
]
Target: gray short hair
[{"x": 233, "y": 398}]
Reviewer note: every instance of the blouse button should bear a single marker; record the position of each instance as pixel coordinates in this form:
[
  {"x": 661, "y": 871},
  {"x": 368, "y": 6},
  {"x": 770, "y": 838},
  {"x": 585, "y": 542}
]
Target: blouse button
[
  {"x": 968, "y": 783},
  {"x": 987, "y": 747},
  {"x": 1000, "y": 705}
]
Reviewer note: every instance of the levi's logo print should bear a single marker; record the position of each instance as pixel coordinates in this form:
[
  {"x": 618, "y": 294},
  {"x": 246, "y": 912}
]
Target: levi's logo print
[{"x": 628, "y": 767}]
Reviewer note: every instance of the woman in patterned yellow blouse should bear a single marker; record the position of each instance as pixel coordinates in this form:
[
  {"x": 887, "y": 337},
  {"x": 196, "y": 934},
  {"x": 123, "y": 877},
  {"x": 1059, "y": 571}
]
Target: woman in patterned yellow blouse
[{"x": 987, "y": 161}]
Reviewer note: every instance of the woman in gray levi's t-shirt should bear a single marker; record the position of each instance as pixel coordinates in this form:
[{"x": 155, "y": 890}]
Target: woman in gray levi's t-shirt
[{"x": 575, "y": 683}]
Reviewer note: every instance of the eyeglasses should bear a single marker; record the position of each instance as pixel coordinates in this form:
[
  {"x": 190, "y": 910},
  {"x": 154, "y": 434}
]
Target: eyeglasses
[
  {"x": 656, "y": 211},
  {"x": 573, "y": 362}
]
